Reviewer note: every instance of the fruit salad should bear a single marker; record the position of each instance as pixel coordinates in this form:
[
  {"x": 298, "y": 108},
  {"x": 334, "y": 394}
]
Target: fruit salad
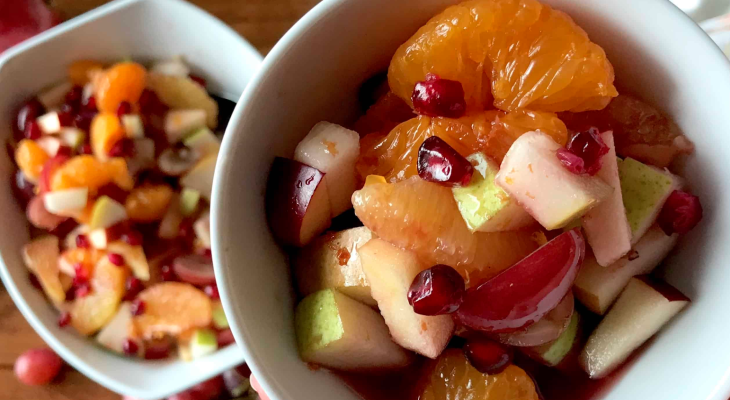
[
  {"x": 115, "y": 168},
  {"x": 492, "y": 219}
]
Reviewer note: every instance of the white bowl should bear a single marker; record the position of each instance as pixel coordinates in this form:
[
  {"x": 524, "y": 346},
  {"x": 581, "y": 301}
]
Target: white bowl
[
  {"x": 146, "y": 30},
  {"x": 313, "y": 74}
]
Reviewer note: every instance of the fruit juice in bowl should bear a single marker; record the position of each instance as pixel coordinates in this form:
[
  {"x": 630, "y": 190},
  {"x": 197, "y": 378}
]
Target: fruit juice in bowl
[{"x": 497, "y": 210}]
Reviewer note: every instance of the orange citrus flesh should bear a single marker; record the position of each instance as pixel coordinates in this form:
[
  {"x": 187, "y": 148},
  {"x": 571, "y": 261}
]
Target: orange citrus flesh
[
  {"x": 121, "y": 82},
  {"x": 30, "y": 158},
  {"x": 387, "y": 112},
  {"x": 172, "y": 308},
  {"x": 106, "y": 131},
  {"x": 148, "y": 203},
  {"x": 90, "y": 313},
  {"x": 87, "y": 171}
]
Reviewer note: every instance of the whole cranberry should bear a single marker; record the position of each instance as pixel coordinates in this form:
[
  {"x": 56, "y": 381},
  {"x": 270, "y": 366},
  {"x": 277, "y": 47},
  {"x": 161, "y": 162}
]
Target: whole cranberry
[
  {"x": 437, "y": 290},
  {"x": 438, "y": 97},
  {"x": 487, "y": 356}
]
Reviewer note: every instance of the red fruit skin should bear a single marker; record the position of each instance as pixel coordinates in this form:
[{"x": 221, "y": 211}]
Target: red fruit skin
[
  {"x": 37, "y": 366},
  {"x": 681, "y": 212},
  {"x": 194, "y": 269},
  {"x": 436, "y": 97},
  {"x": 440, "y": 163},
  {"x": 487, "y": 356},
  {"x": 210, "y": 389},
  {"x": 130, "y": 347},
  {"x": 186, "y": 395},
  {"x": 225, "y": 337},
  {"x": 44, "y": 183},
  {"x": 437, "y": 290},
  {"x": 212, "y": 292},
  {"x": 525, "y": 292},
  {"x": 133, "y": 286}
]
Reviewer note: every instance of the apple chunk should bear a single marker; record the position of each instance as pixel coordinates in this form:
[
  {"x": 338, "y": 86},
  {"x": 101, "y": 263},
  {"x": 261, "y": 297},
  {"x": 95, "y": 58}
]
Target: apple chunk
[
  {"x": 532, "y": 174},
  {"x": 297, "y": 202},
  {"x": 333, "y": 150},
  {"x": 391, "y": 271},
  {"x": 553, "y": 353},
  {"x": 333, "y": 261},
  {"x": 607, "y": 229},
  {"x": 641, "y": 310},
  {"x": 597, "y": 287},
  {"x": 200, "y": 178},
  {"x": 338, "y": 332},
  {"x": 113, "y": 335}
]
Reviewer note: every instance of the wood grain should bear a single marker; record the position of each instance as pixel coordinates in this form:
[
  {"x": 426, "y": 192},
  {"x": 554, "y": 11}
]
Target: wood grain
[{"x": 262, "y": 22}]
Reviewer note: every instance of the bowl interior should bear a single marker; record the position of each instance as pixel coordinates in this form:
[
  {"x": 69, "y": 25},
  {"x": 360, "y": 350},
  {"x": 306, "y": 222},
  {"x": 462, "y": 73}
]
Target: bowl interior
[
  {"x": 146, "y": 30},
  {"x": 313, "y": 74}
]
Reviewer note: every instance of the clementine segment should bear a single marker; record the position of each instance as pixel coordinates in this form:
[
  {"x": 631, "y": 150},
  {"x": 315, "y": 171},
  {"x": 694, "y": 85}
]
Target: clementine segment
[
  {"x": 90, "y": 313},
  {"x": 172, "y": 308},
  {"x": 30, "y": 158},
  {"x": 148, "y": 203},
  {"x": 121, "y": 82},
  {"x": 87, "y": 171},
  {"x": 106, "y": 131}
]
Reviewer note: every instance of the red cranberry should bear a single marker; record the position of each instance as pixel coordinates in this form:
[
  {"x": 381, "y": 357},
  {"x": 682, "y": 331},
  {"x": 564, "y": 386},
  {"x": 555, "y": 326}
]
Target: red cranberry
[
  {"x": 83, "y": 120},
  {"x": 122, "y": 148},
  {"x": 132, "y": 238},
  {"x": 33, "y": 130},
  {"x": 116, "y": 259},
  {"x": 212, "y": 292},
  {"x": 137, "y": 307},
  {"x": 167, "y": 273},
  {"x": 85, "y": 149},
  {"x": 130, "y": 347},
  {"x": 124, "y": 109},
  {"x": 91, "y": 104},
  {"x": 438, "y": 97},
  {"x": 115, "y": 193},
  {"x": 570, "y": 161},
  {"x": 28, "y": 112},
  {"x": 486, "y": 356},
  {"x": 200, "y": 80},
  {"x": 82, "y": 241},
  {"x": 64, "y": 319},
  {"x": 681, "y": 212},
  {"x": 588, "y": 146},
  {"x": 437, "y": 290},
  {"x": 438, "y": 162},
  {"x": 82, "y": 289}
]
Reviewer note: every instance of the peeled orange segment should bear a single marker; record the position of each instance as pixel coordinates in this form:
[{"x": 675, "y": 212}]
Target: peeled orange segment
[
  {"x": 41, "y": 258},
  {"x": 30, "y": 158},
  {"x": 510, "y": 53},
  {"x": 387, "y": 112},
  {"x": 454, "y": 378},
  {"x": 423, "y": 217},
  {"x": 121, "y": 82},
  {"x": 183, "y": 93},
  {"x": 86, "y": 258},
  {"x": 172, "y": 308},
  {"x": 148, "y": 203},
  {"x": 106, "y": 131},
  {"x": 90, "y": 313},
  {"x": 87, "y": 171},
  {"x": 507, "y": 127}
]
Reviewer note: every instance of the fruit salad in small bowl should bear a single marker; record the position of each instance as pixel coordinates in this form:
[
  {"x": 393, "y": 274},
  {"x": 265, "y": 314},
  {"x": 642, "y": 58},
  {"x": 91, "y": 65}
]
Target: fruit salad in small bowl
[{"x": 488, "y": 227}]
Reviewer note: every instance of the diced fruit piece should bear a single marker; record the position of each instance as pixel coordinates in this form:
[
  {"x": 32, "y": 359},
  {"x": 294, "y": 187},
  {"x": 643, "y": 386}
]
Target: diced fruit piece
[
  {"x": 607, "y": 229},
  {"x": 189, "y": 200},
  {"x": 641, "y": 310},
  {"x": 597, "y": 287},
  {"x": 148, "y": 203},
  {"x": 30, "y": 158},
  {"x": 134, "y": 257},
  {"x": 338, "y": 332},
  {"x": 547, "y": 329},
  {"x": 454, "y": 377},
  {"x": 106, "y": 131},
  {"x": 66, "y": 202},
  {"x": 333, "y": 261},
  {"x": 113, "y": 335},
  {"x": 590, "y": 148},
  {"x": 171, "y": 221},
  {"x": 219, "y": 317},
  {"x": 37, "y": 366},
  {"x": 121, "y": 82},
  {"x": 203, "y": 141},
  {"x": 545, "y": 277},
  {"x": 94, "y": 311},
  {"x": 41, "y": 258},
  {"x": 78, "y": 71},
  {"x": 54, "y": 96},
  {"x": 176, "y": 161},
  {"x": 237, "y": 383},
  {"x": 333, "y": 150},
  {"x": 390, "y": 272},
  {"x": 28, "y": 112},
  {"x": 201, "y": 226},
  {"x": 49, "y": 144},
  {"x": 133, "y": 126},
  {"x": 438, "y": 97},
  {"x": 71, "y": 240},
  {"x": 200, "y": 178},
  {"x": 385, "y": 114},
  {"x": 183, "y": 93},
  {"x": 107, "y": 212},
  {"x": 440, "y": 163},
  {"x": 73, "y": 262},
  {"x": 98, "y": 238},
  {"x": 174, "y": 67},
  {"x": 435, "y": 230},
  {"x": 373, "y": 179},
  {"x": 487, "y": 356},
  {"x": 87, "y": 171},
  {"x": 553, "y": 353},
  {"x": 172, "y": 308},
  {"x": 202, "y": 343},
  {"x": 72, "y": 137},
  {"x": 297, "y": 202},
  {"x": 485, "y": 206},
  {"x": 39, "y": 217},
  {"x": 681, "y": 212},
  {"x": 554, "y": 196},
  {"x": 143, "y": 158},
  {"x": 179, "y": 123},
  {"x": 437, "y": 290},
  {"x": 644, "y": 190}
]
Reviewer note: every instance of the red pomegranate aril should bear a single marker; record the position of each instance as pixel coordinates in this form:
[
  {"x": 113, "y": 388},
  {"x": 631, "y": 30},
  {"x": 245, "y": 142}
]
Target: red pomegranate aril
[
  {"x": 212, "y": 292},
  {"x": 199, "y": 80},
  {"x": 130, "y": 347},
  {"x": 132, "y": 238},
  {"x": 82, "y": 241},
  {"x": 27, "y": 113},
  {"x": 90, "y": 104},
  {"x": 571, "y": 162},
  {"x": 440, "y": 163},
  {"x": 437, "y": 290},
  {"x": 124, "y": 109},
  {"x": 37, "y": 366},
  {"x": 33, "y": 131},
  {"x": 132, "y": 288},
  {"x": 486, "y": 356},
  {"x": 66, "y": 116},
  {"x": 167, "y": 273},
  {"x": 116, "y": 259},
  {"x": 436, "y": 97},
  {"x": 85, "y": 149},
  {"x": 589, "y": 147},
  {"x": 122, "y": 148},
  {"x": 64, "y": 319},
  {"x": 137, "y": 307},
  {"x": 82, "y": 289},
  {"x": 681, "y": 212},
  {"x": 80, "y": 274}
]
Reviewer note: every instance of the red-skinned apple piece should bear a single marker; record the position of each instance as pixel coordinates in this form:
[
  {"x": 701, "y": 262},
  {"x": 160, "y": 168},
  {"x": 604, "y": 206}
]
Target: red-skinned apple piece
[
  {"x": 297, "y": 202},
  {"x": 527, "y": 291}
]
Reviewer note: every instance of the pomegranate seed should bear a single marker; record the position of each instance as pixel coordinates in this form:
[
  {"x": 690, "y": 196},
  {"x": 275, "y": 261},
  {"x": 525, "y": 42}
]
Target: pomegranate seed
[
  {"x": 201, "y": 81},
  {"x": 82, "y": 242},
  {"x": 212, "y": 292},
  {"x": 80, "y": 274},
  {"x": 132, "y": 238},
  {"x": 130, "y": 347},
  {"x": 681, "y": 212},
  {"x": 34, "y": 281},
  {"x": 167, "y": 273},
  {"x": 27, "y": 113},
  {"x": 66, "y": 116},
  {"x": 132, "y": 286},
  {"x": 91, "y": 104},
  {"x": 122, "y": 148},
  {"x": 74, "y": 96},
  {"x": 64, "y": 319},
  {"x": 83, "y": 119},
  {"x": 589, "y": 147},
  {"x": 82, "y": 289},
  {"x": 85, "y": 149},
  {"x": 33, "y": 131},
  {"x": 571, "y": 162},
  {"x": 64, "y": 151},
  {"x": 116, "y": 259},
  {"x": 438, "y": 162},
  {"x": 124, "y": 109},
  {"x": 438, "y": 97},
  {"x": 486, "y": 356},
  {"x": 137, "y": 307},
  {"x": 437, "y": 290}
]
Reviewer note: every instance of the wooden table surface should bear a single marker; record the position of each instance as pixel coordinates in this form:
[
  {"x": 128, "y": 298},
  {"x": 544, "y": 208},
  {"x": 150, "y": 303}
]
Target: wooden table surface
[{"x": 262, "y": 22}]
